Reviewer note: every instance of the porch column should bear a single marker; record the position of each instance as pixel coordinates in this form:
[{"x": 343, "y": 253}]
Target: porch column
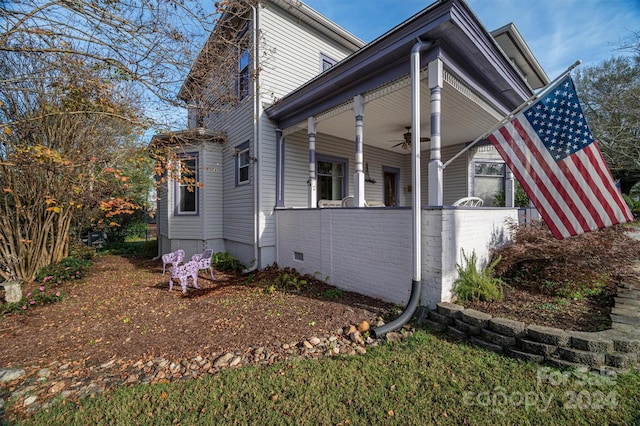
[
  {"x": 509, "y": 188},
  {"x": 435, "y": 163},
  {"x": 279, "y": 169},
  {"x": 358, "y": 177},
  {"x": 313, "y": 180}
]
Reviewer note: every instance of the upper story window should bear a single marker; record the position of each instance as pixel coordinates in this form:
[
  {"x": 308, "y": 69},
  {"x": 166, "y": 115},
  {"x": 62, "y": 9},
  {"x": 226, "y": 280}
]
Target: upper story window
[
  {"x": 243, "y": 160},
  {"x": 244, "y": 58},
  {"x": 187, "y": 189},
  {"x": 326, "y": 62},
  {"x": 243, "y": 74}
]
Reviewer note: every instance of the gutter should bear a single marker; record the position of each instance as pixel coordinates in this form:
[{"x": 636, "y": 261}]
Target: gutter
[{"x": 416, "y": 284}]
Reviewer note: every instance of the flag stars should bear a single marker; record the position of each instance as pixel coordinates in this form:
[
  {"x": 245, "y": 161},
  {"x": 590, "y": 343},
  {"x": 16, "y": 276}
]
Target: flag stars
[{"x": 559, "y": 122}]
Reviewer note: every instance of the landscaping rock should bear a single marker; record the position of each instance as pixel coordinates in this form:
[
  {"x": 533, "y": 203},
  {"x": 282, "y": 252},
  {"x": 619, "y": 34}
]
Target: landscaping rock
[{"x": 10, "y": 374}]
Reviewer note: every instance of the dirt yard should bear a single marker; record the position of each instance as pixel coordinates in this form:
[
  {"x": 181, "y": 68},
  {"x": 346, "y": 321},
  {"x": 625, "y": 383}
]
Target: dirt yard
[{"x": 124, "y": 310}]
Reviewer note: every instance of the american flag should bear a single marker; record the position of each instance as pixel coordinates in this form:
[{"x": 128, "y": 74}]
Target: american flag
[{"x": 551, "y": 151}]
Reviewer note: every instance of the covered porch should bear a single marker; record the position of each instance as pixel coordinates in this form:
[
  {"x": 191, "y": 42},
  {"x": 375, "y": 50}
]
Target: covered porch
[{"x": 391, "y": 126}]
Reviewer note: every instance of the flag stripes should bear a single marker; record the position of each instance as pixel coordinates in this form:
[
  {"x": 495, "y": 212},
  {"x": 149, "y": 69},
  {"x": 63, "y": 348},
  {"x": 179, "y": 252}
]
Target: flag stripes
[{"x": 575, "y": 194}]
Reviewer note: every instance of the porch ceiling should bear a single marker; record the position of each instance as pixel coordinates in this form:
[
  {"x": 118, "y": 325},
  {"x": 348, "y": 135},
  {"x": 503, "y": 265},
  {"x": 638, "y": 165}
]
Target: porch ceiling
[{"x": 387, "y": 114}]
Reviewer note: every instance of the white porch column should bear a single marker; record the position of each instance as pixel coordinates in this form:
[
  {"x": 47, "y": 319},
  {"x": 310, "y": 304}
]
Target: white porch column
[
  {"x": 435, "y": 163},
  {"x": 509, "y": 188},
  {"x": 313, "y": 180},
  {"x": 358, "y": 177}
]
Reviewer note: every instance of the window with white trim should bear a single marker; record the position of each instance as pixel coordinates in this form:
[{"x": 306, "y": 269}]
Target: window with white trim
[
  {"x": 488, "y": 180},
  {"x": 243, "y": 161},
  {"x": 187, "y": 188},
  {"x": 332, "y": 177}
]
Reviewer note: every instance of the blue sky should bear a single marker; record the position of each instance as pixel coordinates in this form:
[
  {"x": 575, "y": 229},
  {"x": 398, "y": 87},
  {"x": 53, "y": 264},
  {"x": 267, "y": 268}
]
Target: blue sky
[{"x": 558, "y": 32}]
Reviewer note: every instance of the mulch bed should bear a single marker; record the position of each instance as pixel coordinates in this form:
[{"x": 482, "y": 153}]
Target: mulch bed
[{"x": 123, "y": 310}]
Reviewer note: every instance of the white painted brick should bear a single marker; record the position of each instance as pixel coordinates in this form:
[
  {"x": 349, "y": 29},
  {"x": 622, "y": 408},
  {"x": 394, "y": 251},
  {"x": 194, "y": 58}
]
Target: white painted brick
[{"x": 369, "y": 250}]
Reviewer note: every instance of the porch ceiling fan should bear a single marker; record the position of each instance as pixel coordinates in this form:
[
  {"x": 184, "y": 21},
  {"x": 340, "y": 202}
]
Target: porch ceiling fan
[{"x": 405, "y": 142}]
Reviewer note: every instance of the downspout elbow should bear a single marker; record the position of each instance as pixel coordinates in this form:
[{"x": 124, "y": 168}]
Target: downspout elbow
[
  {"x": 420, "y": 45},
  {"x": 405, "y": 316}
]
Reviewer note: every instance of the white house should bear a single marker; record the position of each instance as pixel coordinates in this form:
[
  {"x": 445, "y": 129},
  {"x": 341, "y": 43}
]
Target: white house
[{"x": 324, "y": 117}]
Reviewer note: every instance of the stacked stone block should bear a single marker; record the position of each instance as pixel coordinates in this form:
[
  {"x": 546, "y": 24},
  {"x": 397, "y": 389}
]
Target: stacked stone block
[{"x": 610, "y": 349}]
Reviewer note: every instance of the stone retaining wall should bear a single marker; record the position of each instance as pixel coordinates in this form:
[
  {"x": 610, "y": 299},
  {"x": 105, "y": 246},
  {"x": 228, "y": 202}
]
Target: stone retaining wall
[{"x": 610, "y": 349}]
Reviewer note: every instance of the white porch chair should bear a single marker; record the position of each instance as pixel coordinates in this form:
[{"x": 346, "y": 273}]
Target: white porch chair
[
  {"x": 347, "y": 201},
  {"x": 469, "y": 202},
  {"x": 323, "y": 203}
]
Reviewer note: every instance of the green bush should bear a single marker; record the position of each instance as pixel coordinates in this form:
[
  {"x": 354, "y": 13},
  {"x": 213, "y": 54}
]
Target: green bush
[
  {"x": 225, "y": 261},
  {"x": 82, "y": 251},
  {"x": 475, "y": 285},
  {"x": 633, "y": 205},
  {"x": 50, "y": 278},
  {"x": 43, "y": 295},
  {"x": 146, "y": 249},
  {"x": 68, "y": 269}
]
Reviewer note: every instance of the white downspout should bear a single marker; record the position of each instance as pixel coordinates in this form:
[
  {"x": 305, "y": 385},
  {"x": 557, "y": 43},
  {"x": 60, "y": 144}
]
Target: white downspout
[
  {"x": 256, "y": 148},
  {"x": 416, "y": 285}
]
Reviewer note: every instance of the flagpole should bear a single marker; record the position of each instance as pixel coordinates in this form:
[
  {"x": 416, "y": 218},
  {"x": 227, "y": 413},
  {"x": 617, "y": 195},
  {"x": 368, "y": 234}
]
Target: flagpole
[{"x": 514, "y": 112}]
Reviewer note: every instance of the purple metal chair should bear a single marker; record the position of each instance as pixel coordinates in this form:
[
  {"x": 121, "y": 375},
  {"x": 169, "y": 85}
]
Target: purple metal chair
[
  {"x": 182, "y": 273},
  {"x": 175, "y": 258},
  {"x": 204, "y": 260}
]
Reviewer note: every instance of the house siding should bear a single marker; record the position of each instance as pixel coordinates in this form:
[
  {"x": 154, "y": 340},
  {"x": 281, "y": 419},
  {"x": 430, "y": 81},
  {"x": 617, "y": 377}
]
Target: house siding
[
  {"x": 289, "y": 55},
  {"x": 455, "y": 176},
  {"x": 291, "y": 52},
  {"x": 296, "y": 165}
]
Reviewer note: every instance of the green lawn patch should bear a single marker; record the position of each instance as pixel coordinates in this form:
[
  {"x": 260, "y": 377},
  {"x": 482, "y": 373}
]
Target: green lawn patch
[{"x": 427, "y": 380}]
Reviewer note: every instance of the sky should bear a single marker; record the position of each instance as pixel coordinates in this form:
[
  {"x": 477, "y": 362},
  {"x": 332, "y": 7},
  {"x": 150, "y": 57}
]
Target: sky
[{"x": 558, "y": 32}]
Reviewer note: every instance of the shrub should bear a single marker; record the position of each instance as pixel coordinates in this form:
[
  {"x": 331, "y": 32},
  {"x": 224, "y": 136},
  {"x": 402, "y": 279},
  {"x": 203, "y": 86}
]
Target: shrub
[
  {"x": 82, "y": 251},
  {"x": 43, "y": 295},
  {"x": 633, "y": 205},
  {"x": 475, "y": 285},
  {"x": 225, "y": 261},
  {"x": 68, "y": 269},
  {"x": 148, "y": 249},
  {"x": 583, "y": 264}
]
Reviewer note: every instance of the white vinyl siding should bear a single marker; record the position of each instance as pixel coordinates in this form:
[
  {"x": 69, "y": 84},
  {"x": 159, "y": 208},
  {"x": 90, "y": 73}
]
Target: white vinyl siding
[
  {"x": 211, "y": 199},
  {"x": 455, "y": 176},
  {"x": 292, "y": 52},
  {"x": 296, "y": 165}
]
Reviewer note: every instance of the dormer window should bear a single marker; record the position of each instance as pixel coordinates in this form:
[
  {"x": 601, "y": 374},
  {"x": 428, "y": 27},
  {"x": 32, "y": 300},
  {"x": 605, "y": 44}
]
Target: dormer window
[{"x": 326, "y": 62}]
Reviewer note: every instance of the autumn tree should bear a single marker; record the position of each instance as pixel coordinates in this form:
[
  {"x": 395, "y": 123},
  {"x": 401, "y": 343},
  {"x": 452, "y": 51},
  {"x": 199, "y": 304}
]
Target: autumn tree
[
  {"x": 60, "y": 130},
  {"x": 78, "y": 79},
  {"x": 610, "y": 93}
]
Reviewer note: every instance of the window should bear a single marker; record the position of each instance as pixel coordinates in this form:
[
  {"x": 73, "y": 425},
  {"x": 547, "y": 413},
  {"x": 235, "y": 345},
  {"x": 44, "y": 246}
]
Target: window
[
  {"x": 243, "y": 74},
  {"x": 242, "y": 164},
  {"x": 326, "y": 62},
  {"x": 243, "y": 63},
  {"x": 332, "y": 178},
  {"x": 488, "y": 180},
  {"x": 187, "y": 193}
]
